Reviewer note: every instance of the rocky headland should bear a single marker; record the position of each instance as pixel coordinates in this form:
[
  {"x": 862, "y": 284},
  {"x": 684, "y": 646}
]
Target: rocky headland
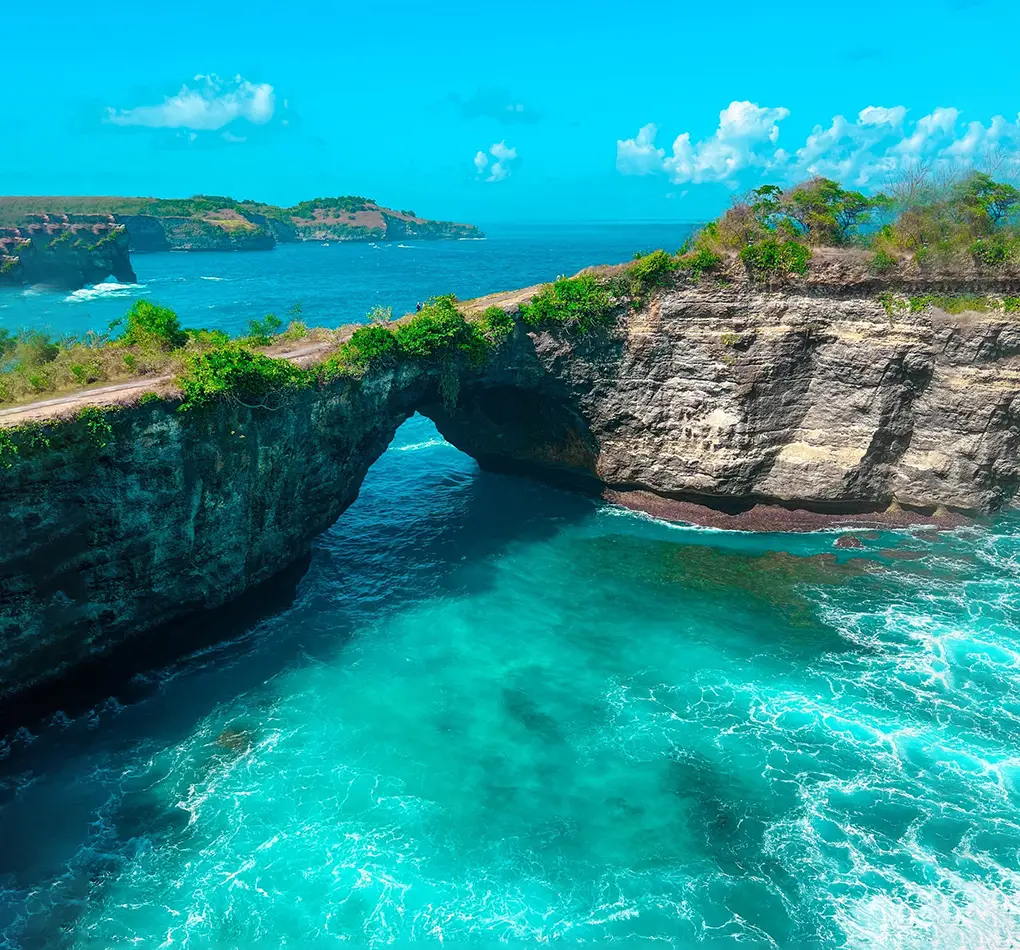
[
  {"x": 65, "y": 252},
  {"x": 46, "y": 241},
  {"x": 837, "y": 398}
]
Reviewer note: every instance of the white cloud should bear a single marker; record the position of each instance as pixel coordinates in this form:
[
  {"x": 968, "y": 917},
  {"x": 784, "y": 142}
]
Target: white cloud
[
  {"x": 745, "y": 138},
  {"x": 869, "y": 150},
  {"x": 504, "y": 159},
  {"x": 639, "y": 156},
  {"x": 211, "y": 104}
]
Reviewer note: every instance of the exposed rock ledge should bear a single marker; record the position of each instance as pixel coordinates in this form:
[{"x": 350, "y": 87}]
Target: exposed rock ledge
[{"x": 719, "y": 395}]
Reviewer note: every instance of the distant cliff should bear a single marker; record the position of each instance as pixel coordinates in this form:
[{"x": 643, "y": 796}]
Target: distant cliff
[
  {"x": 65, "y": 252},
  {"x": 215, "y": 223}
]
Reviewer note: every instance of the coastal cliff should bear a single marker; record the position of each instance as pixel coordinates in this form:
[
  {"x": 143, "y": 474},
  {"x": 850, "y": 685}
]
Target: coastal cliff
[
  {"x": 64, "y": 252},
  {"x": 840, "y": 395},
  {"x": 216, "y": 223}
]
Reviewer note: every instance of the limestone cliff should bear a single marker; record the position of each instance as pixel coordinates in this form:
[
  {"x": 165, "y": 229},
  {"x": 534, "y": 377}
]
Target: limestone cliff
[
  {"x": 65, "y": 252},
  {"x": 821, "y": 396}
]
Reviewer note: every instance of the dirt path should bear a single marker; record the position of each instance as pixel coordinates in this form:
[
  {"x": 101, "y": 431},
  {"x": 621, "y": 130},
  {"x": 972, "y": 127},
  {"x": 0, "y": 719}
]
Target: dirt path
[{"x": 120, "y": 393}]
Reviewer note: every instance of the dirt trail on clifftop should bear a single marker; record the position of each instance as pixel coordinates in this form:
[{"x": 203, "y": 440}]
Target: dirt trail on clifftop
[{"x": 124, "y": 393}]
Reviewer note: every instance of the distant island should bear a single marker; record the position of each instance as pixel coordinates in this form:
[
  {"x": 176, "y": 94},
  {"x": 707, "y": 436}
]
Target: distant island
[{"x": 73, "y": 241}]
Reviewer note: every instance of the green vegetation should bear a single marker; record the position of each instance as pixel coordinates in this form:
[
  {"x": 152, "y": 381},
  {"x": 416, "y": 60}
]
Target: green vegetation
[
  {"x": 240, "y": 373},
  {"x": 261, "y": 332},
  {"x": 953, "y": 303},
  {"x": 149, "y": 324},
  {"x": 770, "y": 259},
  {"x": 583, "y": 302}
]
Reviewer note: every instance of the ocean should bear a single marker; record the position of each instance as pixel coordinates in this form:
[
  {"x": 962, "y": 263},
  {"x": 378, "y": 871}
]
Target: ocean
[{"x": 493, "y": 713}]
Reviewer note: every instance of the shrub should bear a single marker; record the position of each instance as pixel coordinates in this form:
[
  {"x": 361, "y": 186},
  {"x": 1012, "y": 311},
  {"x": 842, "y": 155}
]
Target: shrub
[
  {"x": 698, "y": 261},
  {"x": 439, "y": 330},
  {"x": 582, "y": 302},
  {"x": 883, "y": 262},
  {"x": 149, "y": 324},
  {"x": 239, "y": 373},
  {"x": 380, "y": 314},
  {"x": 495, "y": 324},
  {"x": 261, "y": 332},
  {"x": 370, "y": 343},
  {"x": 953, "y": 304},
  {"x": 770, "y": 260},
  {"x": 652, "y": 269},
  {"x": 993, "y": 252},
  {"x": 207, "y": 339}
]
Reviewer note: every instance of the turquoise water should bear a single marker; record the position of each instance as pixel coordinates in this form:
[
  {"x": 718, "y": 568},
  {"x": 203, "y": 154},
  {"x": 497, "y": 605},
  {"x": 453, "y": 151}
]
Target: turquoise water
[
  {"x": 336, "y": 284},
  {"x": 500, "y": 714}
]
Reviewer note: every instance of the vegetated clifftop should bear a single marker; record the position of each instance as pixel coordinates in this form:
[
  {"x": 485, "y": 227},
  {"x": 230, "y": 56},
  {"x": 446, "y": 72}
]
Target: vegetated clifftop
[
  {"x": 215, "y": 223},
  {"x": 64, "y": 251},
  {"x": 839, "y": 393}
]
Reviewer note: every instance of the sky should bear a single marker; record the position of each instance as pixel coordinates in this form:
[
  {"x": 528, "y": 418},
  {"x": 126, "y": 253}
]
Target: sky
[{"x": 532, "y": 111}]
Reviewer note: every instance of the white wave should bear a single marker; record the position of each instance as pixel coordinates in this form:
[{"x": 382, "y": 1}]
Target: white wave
[
  {"x": 212, "y": 278},
  {"x": 415, "y": 446},
  {"x": 409, "y": 246},
  {"x": 105, "y": 289}
]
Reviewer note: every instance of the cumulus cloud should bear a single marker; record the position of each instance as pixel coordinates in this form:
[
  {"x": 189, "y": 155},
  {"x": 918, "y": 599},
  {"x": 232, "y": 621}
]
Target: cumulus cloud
[
  {"x": 741, "y": 140},
  {"x": 870, "y": 149},
  {"x": 639, "y": 156},
  {"x": 210, "y": 104},
  {"x": 501, "y": 164}
]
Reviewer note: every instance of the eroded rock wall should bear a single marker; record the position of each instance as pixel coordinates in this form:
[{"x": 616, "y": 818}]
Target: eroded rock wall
[
  {"x": 731, "y": 396},
  {"x": 176, "y": 512}
]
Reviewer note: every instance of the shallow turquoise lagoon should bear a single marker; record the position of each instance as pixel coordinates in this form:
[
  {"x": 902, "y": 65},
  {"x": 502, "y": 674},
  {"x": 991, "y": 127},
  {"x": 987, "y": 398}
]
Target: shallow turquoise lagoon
[{"x": 499, "y": 714}]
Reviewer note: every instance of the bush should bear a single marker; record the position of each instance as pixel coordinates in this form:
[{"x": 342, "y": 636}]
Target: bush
[
  {"x": 582, "y": 302},
  {"x": 440, "y": 330},
  {"x": 770, "y": 260},
  {"x": 149, "y": 324},
  {"x": 261, "y": 332},
  {"x": 368, "y": 344},
  {"x": 993, "y": 252},
  {"x": 698, "y": 261},
  {"x": 883, "y": 262},
  {"x": 496, "y": 324},
  {"x": 239, "y": 373}
]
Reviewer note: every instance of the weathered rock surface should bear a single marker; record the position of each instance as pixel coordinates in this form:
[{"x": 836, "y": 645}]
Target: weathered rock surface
[
  {"x": 732, "y": 396},
  {"x": 813, "y": 398},
  {"x": 65, "y": 252}
]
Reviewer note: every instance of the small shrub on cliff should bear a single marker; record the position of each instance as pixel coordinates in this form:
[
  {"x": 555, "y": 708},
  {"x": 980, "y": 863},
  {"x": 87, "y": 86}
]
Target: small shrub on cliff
[
  {"x": 698, "y": 261},
  {"x": 261, "y": 332},
  {"x": 883, "y": 262},
  {"x": 771, "y": 260},
  {"x": 582, "y": 302},
  {"x": 149, "y": 324},
  {"x": 495, "y": 324},
  {"x": 368, "y": 344},
  {"x": 237, "y": 373},
  {"x": 439, "y": 330}
]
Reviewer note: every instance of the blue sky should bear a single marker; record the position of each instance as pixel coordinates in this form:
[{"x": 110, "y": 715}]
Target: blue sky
[{"x": 489, "y": 112}]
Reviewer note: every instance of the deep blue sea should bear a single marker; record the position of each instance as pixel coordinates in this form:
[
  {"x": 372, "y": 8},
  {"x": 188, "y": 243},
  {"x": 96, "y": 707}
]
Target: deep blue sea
[{"x": 493, "y": 713}]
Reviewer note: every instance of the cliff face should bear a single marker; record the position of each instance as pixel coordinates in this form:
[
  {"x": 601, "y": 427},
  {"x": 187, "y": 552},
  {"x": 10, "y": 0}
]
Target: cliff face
[
  {"x": 104, "y": 537},
  {"x": 65, "y": 252},
  {"x": 723, "y": 394},
  {"x": 730, "y": 396}
]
